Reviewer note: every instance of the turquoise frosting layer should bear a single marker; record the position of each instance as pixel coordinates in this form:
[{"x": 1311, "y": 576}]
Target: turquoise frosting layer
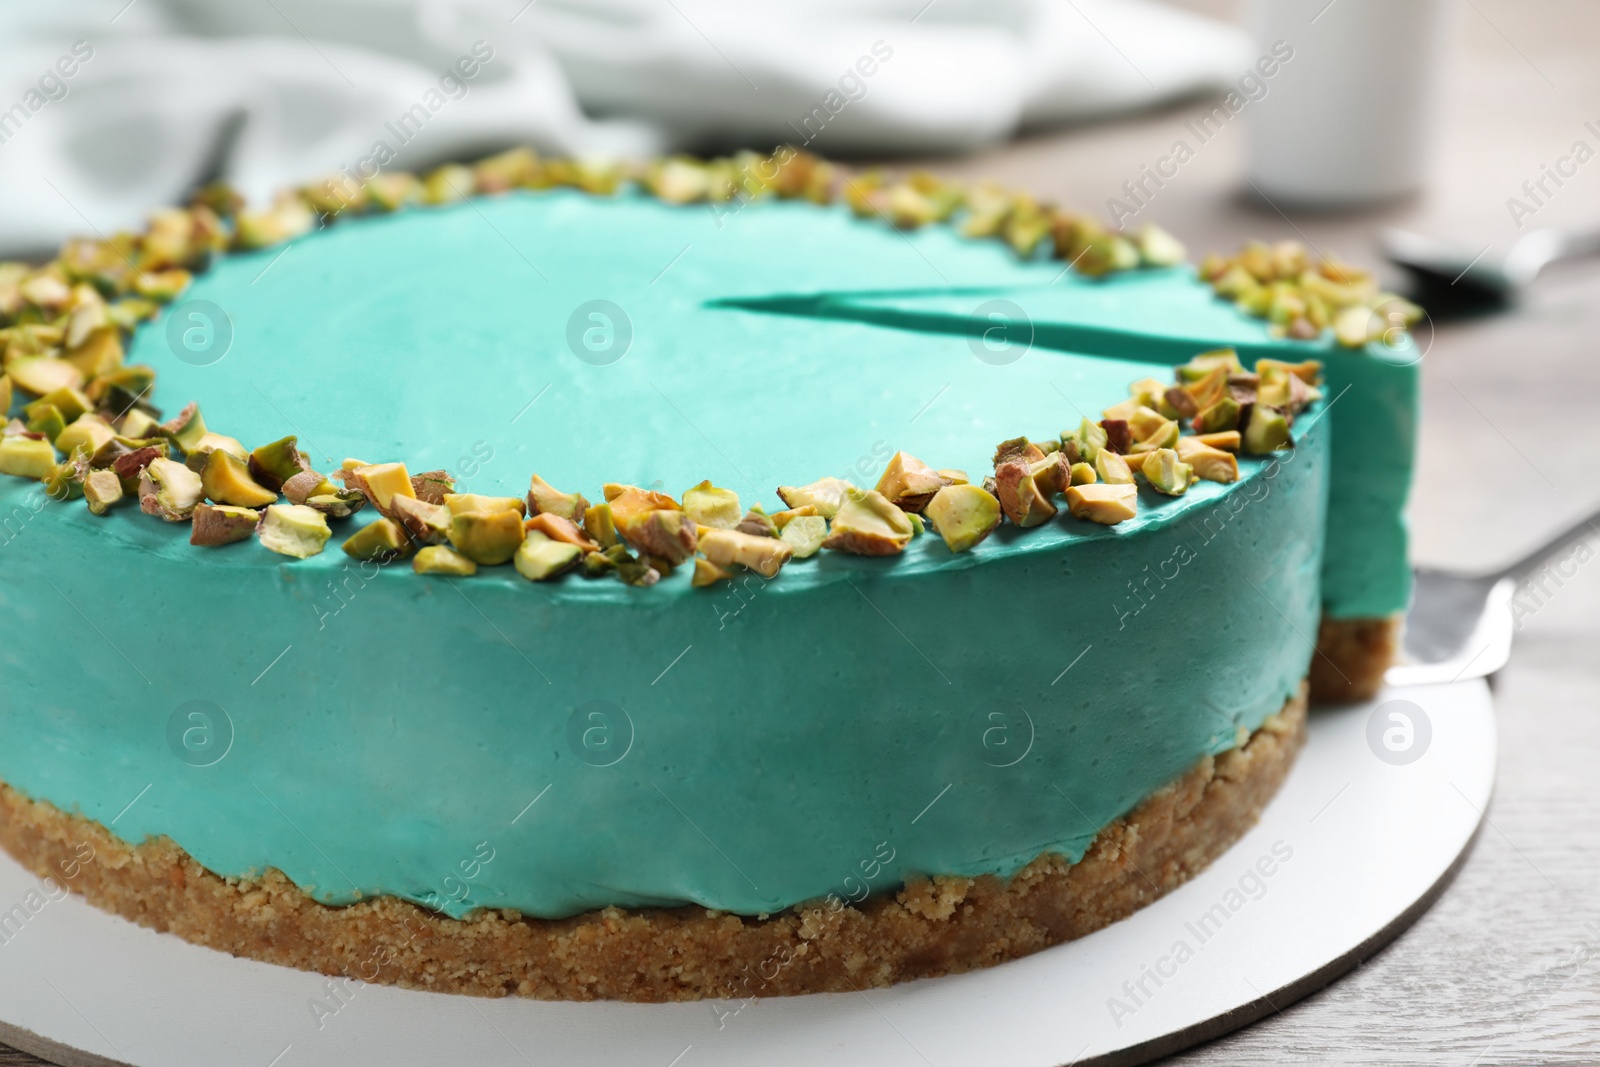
[{"x": 839, "y": 729}]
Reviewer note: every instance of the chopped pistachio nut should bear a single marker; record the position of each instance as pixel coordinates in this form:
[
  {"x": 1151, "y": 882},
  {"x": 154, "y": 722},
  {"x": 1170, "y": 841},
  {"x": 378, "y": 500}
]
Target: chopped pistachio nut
[
  {"x": 5, "y": 395},
  {"x": 169, "y": 490},
  {"x": 489, "y": 538},
  {"x": 67, "y": 478},
  {"x": 219, "y": 524},
  {"x": 1020, "y": 496},
  {"x": 708, "y": 573},
  {"x": 1203, "y": 364},
  {"x": 43, "y": 375},
  {"x": 45, "y": 420},
  {"x": 709, "y": 506},
  {"x": 1119, "y": 438},
  {"x": 382, "y": 539},
  {"x": 757, "y": 523},
  {"x": 432, "y": 486},
  {"x": 1152, "y": 430},
  {"x": 227, "y": 481},
  {"x": 437, "y": 559},
  {"x": 599, "y": 525},
  {"x": 764, "y": 555},
  {"x": 1166, "y": 473},
  {"x": 272, "y": 465},
  {"x": 665, "y": 534},
  {"x": 909, "y": 483},
  {"x": 826, "y": 495},
  {"x": 1212, "y": 464},
  {"x": 129, "y": 466},
  {"x": 468, "y": 503},
  {"x": 196, "y": 458},
  {"x": 558, "y": 529},
  {"x": 391, "y": 191},
  {"x": 101, "y": 490},
  {"x": 963, "y": 515},
  {"x": 428, "y": 523},
  {"x": 138, "y": 423},
  {"x": 1220, "y": 416},
  {"x": 1308, "y": 371},
  {"x": 1146, "y": 392},
  {"x": 382, "y": 482},
  {"x": 780, "y": 519},
  {"x": 448, "y": 184},
  {"x": 293, "y": 530},
  {"x": 1158, "y": 248},
  {"x": 1084, "y": 443},
  {"x": 805, "y": 534},
  {"x": 1017, "y": 448},
  {"x": 1082, "y": 474},
  {"x": 867, "y": 524},
  {"x": 305, "y": 485},
  {"x": 1104, "y": 502},
  {"x": 1353, "y": 326},
  {"x": 1112, "y": 468},
  {"x": 70, "y": 402},
  {"x": 543, "y": 497},
  {"x": 598, "y": 565},
  {"x": 540, "y": 558},
  {"x": 1227, "y": 440},
  {"x": 1052, "y": 474},
  {"x": 1268, "y": 431}
]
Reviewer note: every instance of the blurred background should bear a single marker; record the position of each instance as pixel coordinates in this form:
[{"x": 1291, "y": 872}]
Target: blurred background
[{"x": 1468, "y": 122}]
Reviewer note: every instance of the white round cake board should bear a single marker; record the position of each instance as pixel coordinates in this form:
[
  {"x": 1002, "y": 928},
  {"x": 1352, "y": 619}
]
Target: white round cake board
[{"x": 1356, "y": 845}]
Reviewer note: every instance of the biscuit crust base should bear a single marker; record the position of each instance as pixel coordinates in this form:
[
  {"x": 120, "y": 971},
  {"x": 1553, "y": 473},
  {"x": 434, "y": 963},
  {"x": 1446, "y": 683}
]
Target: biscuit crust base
[
  {"x": 931, "y": 927},
  {"x": 1351, "y": 658}
]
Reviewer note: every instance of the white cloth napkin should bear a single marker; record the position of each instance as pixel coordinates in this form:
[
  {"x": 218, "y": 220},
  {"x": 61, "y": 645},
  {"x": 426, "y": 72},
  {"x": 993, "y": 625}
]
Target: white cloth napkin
[{"x": 109, "y": 107}]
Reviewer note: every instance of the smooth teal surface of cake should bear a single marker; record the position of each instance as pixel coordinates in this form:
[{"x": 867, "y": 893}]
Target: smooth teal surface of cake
[{"x": 757, "y": 745}]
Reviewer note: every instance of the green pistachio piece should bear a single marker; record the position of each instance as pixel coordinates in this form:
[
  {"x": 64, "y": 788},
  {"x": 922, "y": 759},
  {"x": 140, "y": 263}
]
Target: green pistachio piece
[
  {"x": 138, "y": 423},
  {"x": 1204, "y": 363},
  {"x": 43, "y": 375},
  {"x": 273, "y": 464},
  {"x": 1158, "y": 248},
  {"x": 540, "y": 558},
  {"x": 288, "y": 218},
  {"x": 1152, "y": 430},
  {"x": 780, "y": 519},
  {"x": 196, "y": 458},
  {"x": 27, "y": 457},
  {"x": 1166, "y": 473},
  {"x": 665, "y": 534},
  {"x": 102, "y": 489},
  {"x": 1267, "y": 431},
  {"x": 1104, "y": 502},
  {"x": 425, "y": 522},
  {"x": 169, "y": 490},
  {"x": 543, "y": 497},
  {"x": 708, "y": 573},
  {"x": 1209, "y": 463},
  {"x": 599, "y": 525},
  {"x": 1020, "y": 496},
  {"x": 468, "y": 503},
  {"x": 764, "y": 555},
  {"x": 805, "y": 534},
  {"x": 383, "y": 483},
  {"x": 558, "y": 529},
  {"x": 1083, "y": 474},
  {"x": 393, "y": 190},
  {"x": 437, "y": 559},
  {"x": 70, "y": 402},
  {"x": 709, "y": 506},
  {"x": 826, "y": 495},
  {"x": 1017, "y": 448},
  {"x": 1085, "y": 442},
  {"x": 909, "y": 483},
  {"x": 220, "y": 524},
  {"x": 46, "y": 419},
  {"x": 678, "y": 180},
  {"x": 488, "y": 538},
  {"x": 66, "y": 480},
  {"x": 598, "y": 565},
  {"x": 963, "y": 515},
  {"x": 448, "y": 184},
  {"x": 1353, "y": 326},
  {"x": 1147, "y": 392},
  {"x": 757, "y": 523},
  {"x": 1220, "y": 416},
  {"x": 1052, "y": 474},
  {"x": 867, "y": 524},
  {"x": 227, "y": 480},
  {"x": 1112, "y": 469},
  {"x": 293, "y": 530}
]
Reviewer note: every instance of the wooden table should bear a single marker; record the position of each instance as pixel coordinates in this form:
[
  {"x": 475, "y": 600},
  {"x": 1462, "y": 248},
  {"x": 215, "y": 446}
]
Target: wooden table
[{"x": 1506, "y": 967}]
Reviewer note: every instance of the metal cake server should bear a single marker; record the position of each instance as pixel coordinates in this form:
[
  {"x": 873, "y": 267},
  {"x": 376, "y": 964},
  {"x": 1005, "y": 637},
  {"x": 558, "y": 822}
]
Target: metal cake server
[
  {"x": 1461, "y": 625},
  {"x": 1441, "y": 267}
]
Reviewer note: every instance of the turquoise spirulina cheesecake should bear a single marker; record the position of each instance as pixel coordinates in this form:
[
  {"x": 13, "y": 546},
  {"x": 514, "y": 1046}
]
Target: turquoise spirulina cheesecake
[{"x": 548, "y": 583}]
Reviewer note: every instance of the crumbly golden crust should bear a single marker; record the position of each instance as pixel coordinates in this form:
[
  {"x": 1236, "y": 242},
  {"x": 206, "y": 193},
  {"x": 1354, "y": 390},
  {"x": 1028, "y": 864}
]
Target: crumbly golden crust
[
  {"x": 1352, "y": 656},
  {"x": 931, "y": 927}
]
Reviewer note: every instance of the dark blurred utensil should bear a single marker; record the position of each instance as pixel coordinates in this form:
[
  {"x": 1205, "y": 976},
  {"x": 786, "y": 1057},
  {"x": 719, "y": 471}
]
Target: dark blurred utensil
[
  {"x": 1461, "y": 625},
  {"x": 1452, "y": 278}
]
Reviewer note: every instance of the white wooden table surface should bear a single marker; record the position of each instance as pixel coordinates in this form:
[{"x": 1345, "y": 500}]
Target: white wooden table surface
[{"x": 1506, "y": 967}]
